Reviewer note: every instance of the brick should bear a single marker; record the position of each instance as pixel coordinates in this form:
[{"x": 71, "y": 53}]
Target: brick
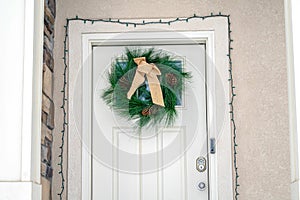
[
  {"x": 48, "y": 58},
  {"x": 47, "y": 32},
  {"x": 51, "y": 4},
  {"x": 44, "y": 117},
  {"x": 43, "y": 169},
  {"x": 50, "y": 117},
  {"x": 46, "y": 189},
  {"x": 46, "y": 153},
  {"x": 49, "y": 15},
  {"x": 47, "y": 82},
  {"x": 48, "y": 43},
  {"x": 46, "y": 134},
  {"x": 48, "y": 108},
  {"x": 49, "y": 26},
  {"x": 46, "y": 104},
  {"x": 49, "y": 173},
  {"x": 46, "y": 170}
]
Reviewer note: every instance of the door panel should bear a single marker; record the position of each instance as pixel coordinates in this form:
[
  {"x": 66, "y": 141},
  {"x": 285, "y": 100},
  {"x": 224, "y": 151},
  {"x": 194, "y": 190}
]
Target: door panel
[{"x": 150, "y": 164}]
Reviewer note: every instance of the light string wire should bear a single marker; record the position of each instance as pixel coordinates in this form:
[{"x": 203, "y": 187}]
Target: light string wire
[{"x": 135, "y": 24}]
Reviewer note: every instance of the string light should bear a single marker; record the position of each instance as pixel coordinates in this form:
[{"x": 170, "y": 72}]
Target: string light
[{"x": 135, "y": 24}]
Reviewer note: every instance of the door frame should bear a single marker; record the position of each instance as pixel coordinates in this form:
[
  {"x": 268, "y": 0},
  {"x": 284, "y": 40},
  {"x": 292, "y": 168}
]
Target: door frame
[
  {"x": 215, "y": 38},
  {"x": 149, "y": 38}
]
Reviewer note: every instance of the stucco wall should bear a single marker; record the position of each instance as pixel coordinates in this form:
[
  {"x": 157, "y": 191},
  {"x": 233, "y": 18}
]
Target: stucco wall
[{"x": 259, "y": 73}]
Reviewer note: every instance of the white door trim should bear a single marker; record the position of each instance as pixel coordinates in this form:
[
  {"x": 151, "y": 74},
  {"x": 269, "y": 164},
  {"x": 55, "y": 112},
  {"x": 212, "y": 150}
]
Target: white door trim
[{"x": 216, "y": 41}]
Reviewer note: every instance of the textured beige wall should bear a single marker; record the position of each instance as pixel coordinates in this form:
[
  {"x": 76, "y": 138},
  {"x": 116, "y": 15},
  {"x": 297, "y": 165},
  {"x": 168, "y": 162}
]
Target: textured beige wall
[{"x": 259, "y": 72}]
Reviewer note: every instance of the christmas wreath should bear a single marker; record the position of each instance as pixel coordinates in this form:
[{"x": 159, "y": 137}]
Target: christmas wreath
[{"x": 145, "y": 85}]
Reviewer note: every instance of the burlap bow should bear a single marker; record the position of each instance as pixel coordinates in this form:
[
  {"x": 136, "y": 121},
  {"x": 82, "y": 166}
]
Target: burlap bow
[{"x": 151, "y": 72}]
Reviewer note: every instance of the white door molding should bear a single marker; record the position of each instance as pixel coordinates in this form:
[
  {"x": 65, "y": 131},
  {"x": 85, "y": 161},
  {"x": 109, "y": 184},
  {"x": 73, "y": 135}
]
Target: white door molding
[{"x": 82, "y": 37}]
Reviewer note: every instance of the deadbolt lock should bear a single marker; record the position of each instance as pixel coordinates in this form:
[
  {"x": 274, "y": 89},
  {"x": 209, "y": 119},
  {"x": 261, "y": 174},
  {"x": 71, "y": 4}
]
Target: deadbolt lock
[
  {"x": 201, "y": 164},
  {"x": 201, "y": 186}
]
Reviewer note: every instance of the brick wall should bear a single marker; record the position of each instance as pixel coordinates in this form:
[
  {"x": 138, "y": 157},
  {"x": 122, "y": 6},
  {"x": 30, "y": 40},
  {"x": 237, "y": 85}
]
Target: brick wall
[{"x": 47, "y": 104}]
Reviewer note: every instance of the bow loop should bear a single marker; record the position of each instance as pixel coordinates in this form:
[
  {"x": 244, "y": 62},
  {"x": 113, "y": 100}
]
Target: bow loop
[
  {"x": 139, "y": 60},
  {"x": 151, "y": 71}
]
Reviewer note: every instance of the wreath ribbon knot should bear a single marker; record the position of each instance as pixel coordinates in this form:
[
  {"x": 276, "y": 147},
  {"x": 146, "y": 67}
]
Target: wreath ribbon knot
[{"x": 150, "y": 71}]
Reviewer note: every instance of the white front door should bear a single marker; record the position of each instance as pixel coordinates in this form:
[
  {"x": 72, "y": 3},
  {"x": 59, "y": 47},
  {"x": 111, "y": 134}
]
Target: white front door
[{"x": 158, "y": 163}]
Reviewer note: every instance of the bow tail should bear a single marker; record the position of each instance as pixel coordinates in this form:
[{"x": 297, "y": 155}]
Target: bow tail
[
  {"x": 138, "y": 80},
  {"x": 155, "y": 89}
]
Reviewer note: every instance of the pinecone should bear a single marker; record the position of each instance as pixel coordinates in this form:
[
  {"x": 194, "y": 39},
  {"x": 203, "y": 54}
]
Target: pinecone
[
  {"x": 151, "y": 110},
  {"x": 171, "y": 79},
  {"x": 146, "y": 111}
]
